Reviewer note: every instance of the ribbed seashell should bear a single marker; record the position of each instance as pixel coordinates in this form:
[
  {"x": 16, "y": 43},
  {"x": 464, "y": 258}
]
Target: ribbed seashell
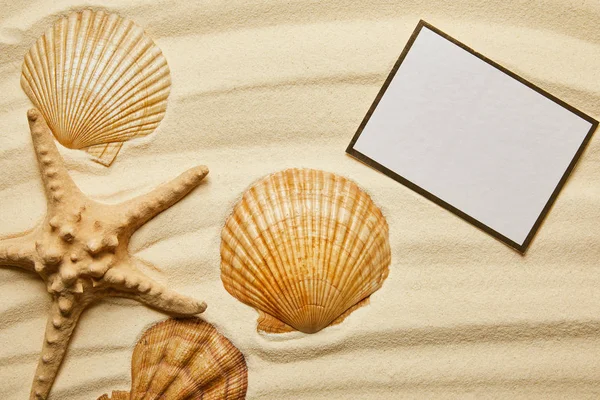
[
  {"x": 181, "y": 359},
  {"x": 98, "y": 81},
  {"x": 305, "y": 248}
]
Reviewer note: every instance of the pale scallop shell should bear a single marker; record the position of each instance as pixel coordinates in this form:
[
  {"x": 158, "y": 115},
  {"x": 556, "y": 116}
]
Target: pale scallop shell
[
  {"x": 305, "y": 248},
  {"x": 181, "y": 359},
  {"x": 98, "y": 81}
]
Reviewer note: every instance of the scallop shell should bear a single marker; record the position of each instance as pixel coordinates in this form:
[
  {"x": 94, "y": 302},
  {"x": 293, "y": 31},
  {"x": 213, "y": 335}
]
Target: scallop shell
[
  {"x": 305, "y": 248},
  {"x": 98, "y": 80},
  {"x": 181, "y": 359}
]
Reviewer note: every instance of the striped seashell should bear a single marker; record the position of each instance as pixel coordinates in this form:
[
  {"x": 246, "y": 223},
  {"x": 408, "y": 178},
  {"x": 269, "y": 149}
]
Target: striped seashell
[
  {"x": 181, "y": 359},
  {"x": 305, "y": 248},
  {"x": 98, "y": 81}
]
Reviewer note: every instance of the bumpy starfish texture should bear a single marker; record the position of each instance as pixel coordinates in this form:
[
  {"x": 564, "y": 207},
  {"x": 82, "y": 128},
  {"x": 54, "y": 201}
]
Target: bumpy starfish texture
[{"x": 80, "y": 251}]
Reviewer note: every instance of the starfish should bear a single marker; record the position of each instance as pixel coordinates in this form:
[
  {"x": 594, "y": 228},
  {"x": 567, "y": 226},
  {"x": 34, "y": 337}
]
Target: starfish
[{"x": 80, "y": 251}]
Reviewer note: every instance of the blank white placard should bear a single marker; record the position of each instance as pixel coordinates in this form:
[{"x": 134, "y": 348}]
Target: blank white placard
[{"x": 464, "y": 132}]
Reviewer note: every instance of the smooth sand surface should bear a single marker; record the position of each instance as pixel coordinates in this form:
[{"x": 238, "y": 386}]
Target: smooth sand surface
[{"x": 264, "y": 85}]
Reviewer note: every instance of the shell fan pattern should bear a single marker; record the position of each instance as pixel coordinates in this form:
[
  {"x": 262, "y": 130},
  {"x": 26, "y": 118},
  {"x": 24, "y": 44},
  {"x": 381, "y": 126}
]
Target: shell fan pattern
[
  {"x": 181, "y": 359},
  {"x": 98, "y": 81},
  {"x": 305, "y": 248}
]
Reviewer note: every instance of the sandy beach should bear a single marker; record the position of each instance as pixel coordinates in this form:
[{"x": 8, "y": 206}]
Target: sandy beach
[{"x": 265, "y": 85}]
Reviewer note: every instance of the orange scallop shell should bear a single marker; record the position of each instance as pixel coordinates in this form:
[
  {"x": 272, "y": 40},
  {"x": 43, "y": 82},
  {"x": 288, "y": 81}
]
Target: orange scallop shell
[
  {"x": 184, "y": 359},
  {"x": 305, "y": 248}
]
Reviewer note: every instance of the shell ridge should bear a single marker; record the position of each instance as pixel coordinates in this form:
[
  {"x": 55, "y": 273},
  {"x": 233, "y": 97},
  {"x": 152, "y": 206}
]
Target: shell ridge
[
  {"x": 354, "y": 287},
  {"x": 380, "y": 277},
  {"x": 166, "y": 379},
  {"x": 60, "y": 57},
  {"x": 285, "y": 258},
  {"x": 265, "y": 298},
  {"x": 359, "y": 210},
  {"x": 82, "y": 24},
  {"x": 103, "y": 61},
  {"x": 334, "y": 258},
  {"x": 43, "y": 75},
  {"x": 343, "y": 256},
  {"x": 331, "y": 228},
  {"x": 287, "y": 180},
  {"x": 252, "y": 206},
  {"x": 145, "y": 59},
  {"x": 29, "y": 82},
  {"x": 290, "y": 301},
  {"x": 291, "y": 183},
  {"x": 109, "y": 108},
  {"x": 236, "y": 273},
  {"x": 139, "y": 381},
  {"x": 375, "y": 240},
  {"x": 59, "y": 31},
  {"x": 302, "y": 186},
  {"x": 164, "y": 339},
  {"x": 353, "y": 269},
  {"x": 329, "y": 238},
  {"x": 323, "y": 202},
  {"x": 91, "y": 44},
  {"x": 318, "y": 281},
  {"x": 214, "y": 377},
  {"x": 92, "y": 53},
  {"x": 112, "y": 57},
  {"x": 74, "y": 80},
  {"x": 382, "y": 247},
  {"x": 341, "y": 231},
  {"x": 125, "y": 134},
  {"x": 236, "y": 363},
  {"x": 152, "y": 114},
  {"x": 50, "y": 93},
  {"x": 72, "y": 22},
  {"x": 52, "y": 42},
  {"x": 82, "y": 75},
  {"x": 349, "y": 206},
  {"x": 107, "y": 63},
  {"x": 263, "y": 236},
  {"x": 125, "y": 131},
  {"x": 53, "y": 94},
  {"x": 39, "y": 78},
  {"x": 121, "y": 67},
  {"x": 309, "y": 209},
  {"x": 156, "y": 90}
]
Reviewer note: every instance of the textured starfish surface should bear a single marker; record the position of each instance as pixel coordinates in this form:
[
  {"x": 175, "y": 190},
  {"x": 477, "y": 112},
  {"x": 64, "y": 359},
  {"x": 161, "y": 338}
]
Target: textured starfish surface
[{"x": 80, "y": 251}]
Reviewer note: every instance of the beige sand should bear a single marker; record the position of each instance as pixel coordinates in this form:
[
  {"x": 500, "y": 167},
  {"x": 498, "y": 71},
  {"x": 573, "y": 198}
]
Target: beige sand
[{"x": 264, "y": 85}]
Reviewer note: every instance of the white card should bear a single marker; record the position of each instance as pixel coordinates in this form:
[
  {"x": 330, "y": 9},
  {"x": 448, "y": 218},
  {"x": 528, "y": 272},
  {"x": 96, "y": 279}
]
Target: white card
[{"x": 472, "y": 136}]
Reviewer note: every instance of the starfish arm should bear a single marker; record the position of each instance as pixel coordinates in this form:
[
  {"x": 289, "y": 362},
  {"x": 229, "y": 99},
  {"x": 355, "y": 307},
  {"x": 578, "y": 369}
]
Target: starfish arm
[
  {"x": 132, "y": 284},
  {"x": 63, "y": 318},
  {"x": 139, "y": 210},
  {"x": 18, "y": 250},
  {"x": 58, "y": 185}
]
